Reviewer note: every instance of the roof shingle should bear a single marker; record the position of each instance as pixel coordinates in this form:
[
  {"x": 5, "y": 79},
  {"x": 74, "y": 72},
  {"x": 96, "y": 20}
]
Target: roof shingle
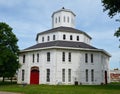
[{"x": 61, "y": 44}]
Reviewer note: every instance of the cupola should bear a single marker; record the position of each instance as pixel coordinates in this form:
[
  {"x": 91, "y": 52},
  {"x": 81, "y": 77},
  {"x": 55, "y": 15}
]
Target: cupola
[{"x": 63, "y": 17}]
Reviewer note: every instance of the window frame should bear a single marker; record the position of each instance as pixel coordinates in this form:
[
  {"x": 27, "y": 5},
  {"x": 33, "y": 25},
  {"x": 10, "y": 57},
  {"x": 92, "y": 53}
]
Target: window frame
[
  {"x": 56, "y": 20},
  {"x": 42, "y": 39},
  {"x": 69, "y": 75},
  {"x": 63, "y": 75},
  {"x": 59, "y": 19},
  {"x": 48, "y": 56},
  {"x": 48, "y": 38},
  {"x": 92, "y": 75},
  {"x": 92, "y": 58},
  {"x": 71, "y": 37},
  {"x": 78, "y": 38},
  {"x": 68, "y": 19},
  {"x": 47, "y": 75},
  {"x": 64, "y": 19},
  {"x": 23, "y": 74},
  {"x": 69, "y": 56},
  {"x": 54, "y": 38},
  {"x": 24, "y": 58},
  {"x": 33, "y": 58},
  {"x": 37, "y": 57},
  {"x": 86, "y": 58},
  {"x": 63, "y": 56},
  {"x": 86, "y": 75},
  {"x": 64, "y": 37}
]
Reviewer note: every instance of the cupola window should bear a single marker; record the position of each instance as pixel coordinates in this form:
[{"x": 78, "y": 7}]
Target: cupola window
[
  {"x": 64, "y": 37},
  {"x": 42, "y": 39},
  {"x": 53, "y": 37},
  {"x": 77, "y": 38},
  {"x": 56, "y": 20},
  {"x": 68, "y": 19},
  {"x": 59, "y": 19},
  {"x": 48, "y": 38},
  {"x": 71, "y": 37},
  {"x": 64, "y": 18}
]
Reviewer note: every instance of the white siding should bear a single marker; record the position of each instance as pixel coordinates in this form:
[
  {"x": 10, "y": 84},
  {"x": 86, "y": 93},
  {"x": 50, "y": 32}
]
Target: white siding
[
  {"x": 59, "y": 36},
  {"x": 77, "y": 66}
]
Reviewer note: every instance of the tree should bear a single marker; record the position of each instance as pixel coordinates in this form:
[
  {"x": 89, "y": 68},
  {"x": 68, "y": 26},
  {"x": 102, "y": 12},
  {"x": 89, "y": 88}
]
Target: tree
[
  {"x": 113, "y": 8},
  {"x": 8, "y": 51}
]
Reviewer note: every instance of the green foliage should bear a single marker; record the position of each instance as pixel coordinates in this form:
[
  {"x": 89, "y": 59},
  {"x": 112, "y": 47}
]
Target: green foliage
[
  {"x": 62, "y": 89},
  {"x": 8, "y": 51},
  {"x": 117, "y": 33},
  {"x": 113, "y": 8},
  {"x": 7, "y": 83}
]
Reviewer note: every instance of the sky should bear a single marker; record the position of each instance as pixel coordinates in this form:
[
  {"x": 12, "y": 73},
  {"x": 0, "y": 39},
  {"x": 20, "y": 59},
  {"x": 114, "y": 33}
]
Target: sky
[{"x": 29, "y": 17}]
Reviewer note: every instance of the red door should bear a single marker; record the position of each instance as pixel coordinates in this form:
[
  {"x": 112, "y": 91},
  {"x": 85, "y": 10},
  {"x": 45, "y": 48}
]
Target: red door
[
  {"x": 105, "y": 77},
  {"x": 34, "y": 77}
]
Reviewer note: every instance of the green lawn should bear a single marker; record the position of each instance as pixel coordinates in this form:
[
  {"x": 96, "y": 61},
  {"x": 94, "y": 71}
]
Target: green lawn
[{"x": 51, "y": 89}]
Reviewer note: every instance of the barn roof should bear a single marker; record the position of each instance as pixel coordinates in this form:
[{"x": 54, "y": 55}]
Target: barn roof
[{"x": 62, "y": 44}]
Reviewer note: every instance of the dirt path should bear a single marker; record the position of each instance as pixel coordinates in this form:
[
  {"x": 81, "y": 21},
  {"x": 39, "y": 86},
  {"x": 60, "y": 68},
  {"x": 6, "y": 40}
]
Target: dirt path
[{"x": 8, "y": 93}]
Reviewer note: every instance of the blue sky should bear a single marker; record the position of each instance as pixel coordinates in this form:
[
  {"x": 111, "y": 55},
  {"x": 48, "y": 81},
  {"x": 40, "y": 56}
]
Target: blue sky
[{"x": 29, "y": 17}]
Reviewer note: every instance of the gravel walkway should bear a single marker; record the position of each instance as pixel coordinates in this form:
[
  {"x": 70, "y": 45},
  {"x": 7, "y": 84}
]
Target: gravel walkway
[{"x": 8, "y": 93}]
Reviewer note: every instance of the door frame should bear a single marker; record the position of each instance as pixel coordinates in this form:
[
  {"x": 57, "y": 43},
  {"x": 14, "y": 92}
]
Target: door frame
[
  {"x": 106, "y": 80},
  {"x": 34, "y": 68}
]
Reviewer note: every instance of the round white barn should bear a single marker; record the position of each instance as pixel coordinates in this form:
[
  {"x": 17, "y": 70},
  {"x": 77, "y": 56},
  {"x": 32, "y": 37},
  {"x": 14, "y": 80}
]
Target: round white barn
[{"x": 63, "y": 55}]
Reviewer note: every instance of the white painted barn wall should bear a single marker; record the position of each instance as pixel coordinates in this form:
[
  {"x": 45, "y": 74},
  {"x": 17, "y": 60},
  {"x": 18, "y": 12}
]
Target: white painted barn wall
[
  {"x": 59, "y": 36},
  {"x": 77, "y": 65}
]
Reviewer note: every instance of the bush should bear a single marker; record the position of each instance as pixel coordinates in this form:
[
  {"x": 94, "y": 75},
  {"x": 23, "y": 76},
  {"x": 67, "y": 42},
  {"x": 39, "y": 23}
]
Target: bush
[{"x": 7, "y": 83}]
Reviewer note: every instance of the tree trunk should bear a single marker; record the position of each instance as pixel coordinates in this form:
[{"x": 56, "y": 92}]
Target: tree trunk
[
  {"x": 11, "y": 79},
  {"x": 3, "y": 79}
]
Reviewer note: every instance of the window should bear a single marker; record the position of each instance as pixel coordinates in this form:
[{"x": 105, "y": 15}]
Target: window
[
  {"x": 68, "y": 19},
  {"x": 33, "y": 58},
  {"x": 23, "y": 58},
  {"x": 71, "y": 37},
  {"x": 48, "y": 56},
  {"x": 48, "y": 38},
  {"x": 69, "y": 57},
  {"x": 64, "y": 18},
  {"x": 63, "y": 56},
  {"x": 59, "y": 19},
  {"x": 53, "y": 37},
  {"x": 37, "y": 57},
  {"x": 91, "y": 58},
  {"x": 23, "y": 74},
  {"x": 56, "y": 20},
  {"x": 48, "y": 75},
  {"x": 86, "y": 57},
  {"x": 77, "y": 38},
  {"x": 42, "y": 39},
  {"x": 64, "y": 37},
  {"x": 86, "y": 73},
  {"x": 92, "y": 75},
  {"x": 69, "y": 75},
  {"x": 63, "y": 75},
  {"x": 72, "y": 20}
]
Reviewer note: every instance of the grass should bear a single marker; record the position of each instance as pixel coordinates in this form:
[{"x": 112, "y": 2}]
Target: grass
[{"x": 59, "y": 89}]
